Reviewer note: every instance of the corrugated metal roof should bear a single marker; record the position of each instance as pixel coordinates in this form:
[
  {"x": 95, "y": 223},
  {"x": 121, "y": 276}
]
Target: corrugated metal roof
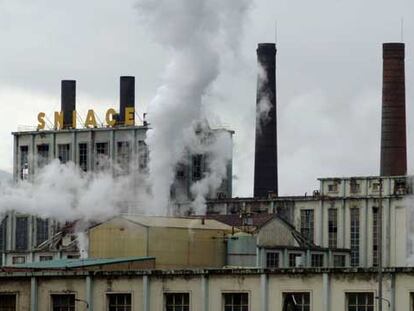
[
  {"x": 177, "y": 222},
  {"x": 77, "y": 263}
]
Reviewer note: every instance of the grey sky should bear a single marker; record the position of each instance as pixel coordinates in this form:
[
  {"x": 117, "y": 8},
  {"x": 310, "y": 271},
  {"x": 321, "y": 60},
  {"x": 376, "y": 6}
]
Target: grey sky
[{"x": 328, "y": 76}]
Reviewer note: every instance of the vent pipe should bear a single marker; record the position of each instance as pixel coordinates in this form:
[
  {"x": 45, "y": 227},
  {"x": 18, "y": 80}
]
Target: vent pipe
[
  {"x": 393, "y": 126},
  {"x": 265, "y": 159},
  {"x": 68, "y": 102},
  {"x": 127, "y": 96}
]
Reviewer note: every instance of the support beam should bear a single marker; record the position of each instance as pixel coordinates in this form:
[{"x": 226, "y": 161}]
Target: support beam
[
  {"x": 146, "y": 293},
  {"x": 326, "y": 285},
  {"x": 89, "y": 292},
  {"x": 33, "y": 294},
  {"x": 264, "y": 290},
  {"x": 204, "y": 292}
]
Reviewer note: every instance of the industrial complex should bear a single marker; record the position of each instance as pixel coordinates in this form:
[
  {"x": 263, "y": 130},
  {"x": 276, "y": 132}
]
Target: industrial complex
[{"x": 326, "y": 251}]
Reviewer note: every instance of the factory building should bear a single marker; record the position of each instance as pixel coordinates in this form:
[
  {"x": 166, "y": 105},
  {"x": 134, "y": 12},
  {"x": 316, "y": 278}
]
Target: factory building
[{"x": 117, "y": 146}]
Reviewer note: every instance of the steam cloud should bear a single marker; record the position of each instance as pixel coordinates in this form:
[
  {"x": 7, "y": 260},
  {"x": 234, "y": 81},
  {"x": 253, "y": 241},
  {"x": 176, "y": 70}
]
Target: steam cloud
[{"x": 196, "y": 33}]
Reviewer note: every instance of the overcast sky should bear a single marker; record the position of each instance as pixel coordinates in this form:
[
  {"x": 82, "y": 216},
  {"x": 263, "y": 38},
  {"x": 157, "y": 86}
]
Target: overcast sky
[{"x": 328, "y": 76}]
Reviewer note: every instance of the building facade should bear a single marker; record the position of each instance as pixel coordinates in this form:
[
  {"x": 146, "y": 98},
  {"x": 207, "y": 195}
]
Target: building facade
[
  {"x": 344, "y": 213},
  {"x": 204, "y": 290}
]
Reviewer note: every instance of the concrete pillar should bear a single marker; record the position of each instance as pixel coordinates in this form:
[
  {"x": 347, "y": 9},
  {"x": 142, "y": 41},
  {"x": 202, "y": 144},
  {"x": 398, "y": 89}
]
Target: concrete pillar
[
  {"x": 326, "y": 286},
  {"x": 204, "y": 292},
  {"x": 74, "y": 148},
  {"x": 264, "y": 290},
  {"x": 146, "y": 293},
  {"x": 89, "y": 292},
  {"x": 285, "y": 258},
  {"x": 392, "y": 291},
  {"x": 33, "y": 294},
  {"x": 308, "y": 256}
]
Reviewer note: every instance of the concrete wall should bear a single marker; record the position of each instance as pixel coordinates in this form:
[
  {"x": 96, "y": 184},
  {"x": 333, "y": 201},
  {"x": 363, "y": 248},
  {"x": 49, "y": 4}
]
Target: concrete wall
[{"x": 265, "y": 290}]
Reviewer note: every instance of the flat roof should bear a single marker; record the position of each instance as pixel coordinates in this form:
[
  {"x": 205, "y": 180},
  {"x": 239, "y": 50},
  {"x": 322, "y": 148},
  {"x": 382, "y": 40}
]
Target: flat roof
[
  {"x": 77, "y": 263},
  {"x": 177, "y": 222}
]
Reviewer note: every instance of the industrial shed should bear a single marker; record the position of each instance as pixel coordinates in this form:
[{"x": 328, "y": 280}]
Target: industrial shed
[{"x": 174, "y": 242}]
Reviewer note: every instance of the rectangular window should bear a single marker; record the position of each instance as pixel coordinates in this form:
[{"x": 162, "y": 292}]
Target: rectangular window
[
  {"x": 317, "y": 260},
  {"x": 22, "y": 237},
  {"x": 63, "y": 302},
  {"x": 42, "y": 230},
  {"x": 119, "y": 302},
  {"x": 64, "y": 153},
  {"x": 296, "y": 301},
  {"x": 272, "y": 260},
  {"x": 354, "y": 237},
  {"x": 7, "y": 302},
  {"x": 359, "y": 301},
  {"x": 339, "y": 260},
  {"x": 18, "y": 259},
  {"x": 83, "y": 156},
  {"x": 42, "y": 155},
  {"x": 123, "y": 155},
  {"x": 102, "y": 154},
  {"x": 143, "y": 155},
  {"x": 236, "y": 302},
  {"x": 306, "y": 224},
  {"x": 177, "y": 301},
  {"x": 3, "y": 230},
  {"x": 197, "y": 167},
  {"x": 294, "y": 260},
  {"x": 375, "y": 221},
  {"x": 24, "y": 162},
  {"x": 333, "y": 187},
  {"x": 355, "y": 187},
  {"x": 333, "y": 227},
  {"x": 45, "y": 258}
]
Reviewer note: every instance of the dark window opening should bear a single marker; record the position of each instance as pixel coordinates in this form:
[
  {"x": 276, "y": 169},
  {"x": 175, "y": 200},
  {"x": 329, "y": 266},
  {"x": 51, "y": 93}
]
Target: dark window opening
[
  {"x": 42, "y": 230},
  {"x": 22, "y": 233},
  {"x": 24, "y": 162},
  {"x": 197, "y": 167},
  {"x": 296, "y": 301},
  {"x": 177, "y": 301},
  {"x": 63, "y": 302},
  {"x": 64, "y": 153},
  {"x": 333, "y": 227},
  {"x": 83, "y": 156},
  {"x": 317, "y": 260},
  {"x": 236, "y": 301},
  {"x": 306, "y": 224},
  {"x": 7, "y": 302},
  {"x": 354, "y": 237},
  {"x": 42, "y": 155},
  {"x": 119, "y": 302},
  {"x": 360, "y": 301},
  {"x": 272, "y": 260}
]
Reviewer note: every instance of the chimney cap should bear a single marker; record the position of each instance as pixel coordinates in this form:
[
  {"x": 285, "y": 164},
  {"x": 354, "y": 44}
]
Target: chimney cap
[
  {"x": 266, "y": 45},
  {"x": 393, "y": 50}
]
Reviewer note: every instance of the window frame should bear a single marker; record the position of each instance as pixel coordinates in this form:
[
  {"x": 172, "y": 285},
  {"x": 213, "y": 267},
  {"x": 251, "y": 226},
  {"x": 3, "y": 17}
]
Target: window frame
[
  {"x": 83, "y": 146},
  {"x": 355, "y": 235},
  {"x": 165, "y": 293},
  {"x": 59, "y": 293},
  {"x": 307, "y": 223},
  {"x": 16, "y": 296},
  {"x": 235, "y": 292},
  {"x": 107, "y": 294},
  {"x": 278, "y": 254},
  {"x": 291, "y": 291},
  {"x": 374, "y": 301}
]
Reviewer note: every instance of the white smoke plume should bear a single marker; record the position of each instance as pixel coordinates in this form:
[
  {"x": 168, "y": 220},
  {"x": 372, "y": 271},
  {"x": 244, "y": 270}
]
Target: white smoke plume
[
  {"x": 264, "y": 105},
  {"x": 65, "y": 193},
  {"x": 197, "y": 34}
]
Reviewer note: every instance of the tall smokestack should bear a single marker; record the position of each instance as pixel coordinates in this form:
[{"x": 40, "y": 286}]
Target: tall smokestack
[
  {"x": 68, "y": 101},
  {"x": 265, "y": 159},
  {"x": 127, "y": 96},
  {"x": 393, "y": 130}
]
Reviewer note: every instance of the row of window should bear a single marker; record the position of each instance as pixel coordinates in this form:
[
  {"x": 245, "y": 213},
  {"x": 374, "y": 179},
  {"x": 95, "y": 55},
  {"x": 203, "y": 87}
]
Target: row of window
[
  {"x": 22, "y": 232},
  {"x": 299, "y": 301},
  {"x": 124, "y": 152},
  {"x": 307, "y": 230},
  {"x": 296, "y": 259}
]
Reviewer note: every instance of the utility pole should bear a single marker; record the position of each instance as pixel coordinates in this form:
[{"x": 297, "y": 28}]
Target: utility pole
[{"x": 379, "y": 224}]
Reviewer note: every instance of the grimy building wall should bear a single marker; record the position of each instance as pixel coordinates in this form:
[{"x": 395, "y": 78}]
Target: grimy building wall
[{"x": 208, "y": 290}]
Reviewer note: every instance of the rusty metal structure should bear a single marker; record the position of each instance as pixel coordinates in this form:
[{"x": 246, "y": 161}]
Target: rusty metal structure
[
  {"x": 126, "y": 96},
  {"x": 393, "y": 125},
  {"x": 68, "y": 101},
  {"x": 265, "y": 159}
]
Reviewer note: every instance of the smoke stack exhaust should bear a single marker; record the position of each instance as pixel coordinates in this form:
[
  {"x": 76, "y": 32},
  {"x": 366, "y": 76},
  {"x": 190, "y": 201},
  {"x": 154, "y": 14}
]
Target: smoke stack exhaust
[
  {"x": 68, "y": 102},
  {"x": 127, "y": 96},
  {"x": 393, "y": 129},
  {"x": 265, "y": 159}
]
